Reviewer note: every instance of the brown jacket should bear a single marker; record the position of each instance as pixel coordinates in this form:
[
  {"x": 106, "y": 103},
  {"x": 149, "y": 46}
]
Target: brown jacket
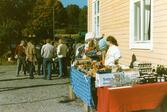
[
  {"x": 20, "y": 51},
  {"x": 30, "y": 52}
]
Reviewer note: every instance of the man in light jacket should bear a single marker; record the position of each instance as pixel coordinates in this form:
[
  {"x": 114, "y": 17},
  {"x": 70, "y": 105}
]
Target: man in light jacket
[
  {"x": 31, "y": 58},
  {"x": 47, "y": 52},
  {"x": 61, "y": 53}
]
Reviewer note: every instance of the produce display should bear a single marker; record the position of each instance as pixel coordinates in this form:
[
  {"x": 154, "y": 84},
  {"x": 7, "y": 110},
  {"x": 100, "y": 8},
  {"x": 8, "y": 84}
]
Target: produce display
[
  {"x": 90, "y": 67},
  {"x": 119, "y": 75}
]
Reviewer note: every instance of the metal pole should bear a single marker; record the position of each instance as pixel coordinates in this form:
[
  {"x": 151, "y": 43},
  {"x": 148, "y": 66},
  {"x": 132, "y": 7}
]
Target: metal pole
[{"x": 53, "y": 20}]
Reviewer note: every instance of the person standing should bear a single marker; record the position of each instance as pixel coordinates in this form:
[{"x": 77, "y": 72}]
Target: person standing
[
  {"x": 103, "y": 46},
  {"x": 47, "y": 52},
  {"x": 61, "y": 53},
  {"x": 31, "y": 58},
  {"x": 113, "y": 53},
  {"x": 55, "y": 59},
  {"x": 21, "y": 56},
  {"x": 38, "y": 48}
]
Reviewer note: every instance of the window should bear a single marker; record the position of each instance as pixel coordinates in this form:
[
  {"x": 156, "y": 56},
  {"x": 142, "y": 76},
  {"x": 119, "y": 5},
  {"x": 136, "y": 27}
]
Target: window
[
  {"x": 140, "y": 28},
  {"x": 96, "y": 27}
]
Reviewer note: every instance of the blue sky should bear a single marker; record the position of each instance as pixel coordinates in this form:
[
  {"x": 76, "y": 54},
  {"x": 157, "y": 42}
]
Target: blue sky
[{"x": 81, "y": 3}]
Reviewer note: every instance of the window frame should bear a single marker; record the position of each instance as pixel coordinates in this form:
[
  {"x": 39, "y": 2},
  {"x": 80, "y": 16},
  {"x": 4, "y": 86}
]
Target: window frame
[
  {"x": 140, "y": 44},
  {"x": 96, "y": 15}
]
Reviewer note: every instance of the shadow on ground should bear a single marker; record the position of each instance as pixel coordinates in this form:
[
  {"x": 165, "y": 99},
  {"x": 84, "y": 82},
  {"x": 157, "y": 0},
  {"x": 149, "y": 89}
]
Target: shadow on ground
[
  {"x": 34, "y": 101},
  {"x": 13, "y": 79},
  {"x": 32, "y": 86}
]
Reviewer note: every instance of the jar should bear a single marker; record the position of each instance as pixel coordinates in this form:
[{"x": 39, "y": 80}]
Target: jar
[
  {"x": 158, "y": 79},
  {"x": 151, "y": 79},
  {"x": 147, "y": 79},
  {"x": 165, "y": 77},
  {"x": 162, "y": 79},
  {"x": 142, "y": 80},
  {"x": 154, "y": 79}
]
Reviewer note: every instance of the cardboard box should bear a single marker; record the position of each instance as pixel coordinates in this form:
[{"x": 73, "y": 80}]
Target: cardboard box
[
  {"x": 117, "y": 79},
  {"x": 109, "y": 79}
]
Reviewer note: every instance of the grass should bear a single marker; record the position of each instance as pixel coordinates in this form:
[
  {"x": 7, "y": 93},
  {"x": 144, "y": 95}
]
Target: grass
[{"x": 6, "y": 62}]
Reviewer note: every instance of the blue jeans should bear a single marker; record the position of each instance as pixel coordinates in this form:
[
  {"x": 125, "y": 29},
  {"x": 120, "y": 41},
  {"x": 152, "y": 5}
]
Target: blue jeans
[
  {"x": 62, "y": 66},
  {"x": 47, "y": 67}
]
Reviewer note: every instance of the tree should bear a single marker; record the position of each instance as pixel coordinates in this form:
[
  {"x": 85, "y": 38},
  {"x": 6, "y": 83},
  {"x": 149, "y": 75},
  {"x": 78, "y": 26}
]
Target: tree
[
  {"x": 60, "y": 15},
  {"x": 73, "y": 17},
  {"x": 83, "y": 19},
  {"x": 16, "y": 9},
  {"x": 42, "y": 22},
  {"x": 21, "y": 18},
  {"x": 14, "y": 15}
]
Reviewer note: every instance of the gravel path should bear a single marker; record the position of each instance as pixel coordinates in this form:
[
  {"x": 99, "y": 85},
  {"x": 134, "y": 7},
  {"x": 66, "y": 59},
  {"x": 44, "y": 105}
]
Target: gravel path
[{"x": 20, "y": 94}]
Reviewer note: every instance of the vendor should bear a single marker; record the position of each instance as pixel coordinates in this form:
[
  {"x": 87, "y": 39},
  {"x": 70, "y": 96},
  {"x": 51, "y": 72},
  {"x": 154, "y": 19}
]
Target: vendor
[
  {"x": 103, "y": 43},
  {"x": 91, "y": 51},
  {"x": 90, "y": 45},
  {"x": 103, "y": 46},
  {"x": 89, "y": 41},
  {"x": 113, "y": 52}
]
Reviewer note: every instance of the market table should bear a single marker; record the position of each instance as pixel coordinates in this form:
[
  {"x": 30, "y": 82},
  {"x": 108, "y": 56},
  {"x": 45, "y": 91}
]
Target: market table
[
  {"x": 138, "y": 97},
  {"x": 83, "y": 86}
]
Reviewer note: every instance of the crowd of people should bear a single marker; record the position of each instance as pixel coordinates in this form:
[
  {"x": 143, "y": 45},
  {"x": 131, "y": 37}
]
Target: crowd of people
[
  {"x": 53, "y": 56},
  {"x": 47, "y": 56}
]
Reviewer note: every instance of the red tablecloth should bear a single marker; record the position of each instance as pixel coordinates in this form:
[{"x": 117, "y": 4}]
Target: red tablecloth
[{"x": 139, "y": 97}]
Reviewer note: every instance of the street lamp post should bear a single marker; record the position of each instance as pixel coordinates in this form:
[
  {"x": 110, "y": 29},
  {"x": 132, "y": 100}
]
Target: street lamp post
[{"x": 53, "y": 20}]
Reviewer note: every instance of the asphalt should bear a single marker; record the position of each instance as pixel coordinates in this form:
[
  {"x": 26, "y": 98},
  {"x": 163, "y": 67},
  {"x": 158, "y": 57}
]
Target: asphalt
[{"x": 21, "y": 94}]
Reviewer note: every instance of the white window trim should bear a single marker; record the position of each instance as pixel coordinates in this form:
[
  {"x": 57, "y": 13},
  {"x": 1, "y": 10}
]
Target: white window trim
[
  {"x": 93, "y": 16},
  {"x": 140, "y": 45}
]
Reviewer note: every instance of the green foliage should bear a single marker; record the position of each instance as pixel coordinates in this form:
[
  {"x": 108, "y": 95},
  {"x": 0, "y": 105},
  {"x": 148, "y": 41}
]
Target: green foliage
[
  {"x": 73, "y": 15},
  {"x": 83, "y": 19},
  {"x": 44, "y": 14},
  {"x": 13, "y": 18},
  {"x": 77, "y": 19},
  {"x": 21, "y": 18}
]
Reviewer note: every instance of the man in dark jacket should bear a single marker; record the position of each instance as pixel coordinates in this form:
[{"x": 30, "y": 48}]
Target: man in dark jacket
[{"x": 38, "y": 56}]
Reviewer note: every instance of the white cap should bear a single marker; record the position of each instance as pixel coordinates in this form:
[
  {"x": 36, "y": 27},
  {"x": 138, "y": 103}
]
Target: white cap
[{"x": 89, "y": 35}]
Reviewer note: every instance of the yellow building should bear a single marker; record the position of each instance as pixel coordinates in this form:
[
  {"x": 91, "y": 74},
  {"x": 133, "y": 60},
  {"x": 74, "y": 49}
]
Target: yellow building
[{"x": 140, "y": 26}]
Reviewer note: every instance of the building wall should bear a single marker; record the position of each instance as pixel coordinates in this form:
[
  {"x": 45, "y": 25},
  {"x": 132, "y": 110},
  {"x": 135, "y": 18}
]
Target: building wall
[
  {"x": 115, "y": 20},
  {"x": 89, "y": 15}
]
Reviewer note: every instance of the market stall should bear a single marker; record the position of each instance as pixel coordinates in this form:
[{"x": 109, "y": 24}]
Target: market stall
[
  {"x": 120, "y": 88},
  {"x": 132, "y": 98},
  {"x": 83, "y": 86},
  {"x": 83, "y": 71}
]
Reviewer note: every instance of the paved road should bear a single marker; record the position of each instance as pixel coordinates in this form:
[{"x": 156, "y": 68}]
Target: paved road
[{"x": 34, "y": 95}]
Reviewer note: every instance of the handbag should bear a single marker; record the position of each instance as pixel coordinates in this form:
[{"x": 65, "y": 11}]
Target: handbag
[{"x": 16, "y": 56}]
